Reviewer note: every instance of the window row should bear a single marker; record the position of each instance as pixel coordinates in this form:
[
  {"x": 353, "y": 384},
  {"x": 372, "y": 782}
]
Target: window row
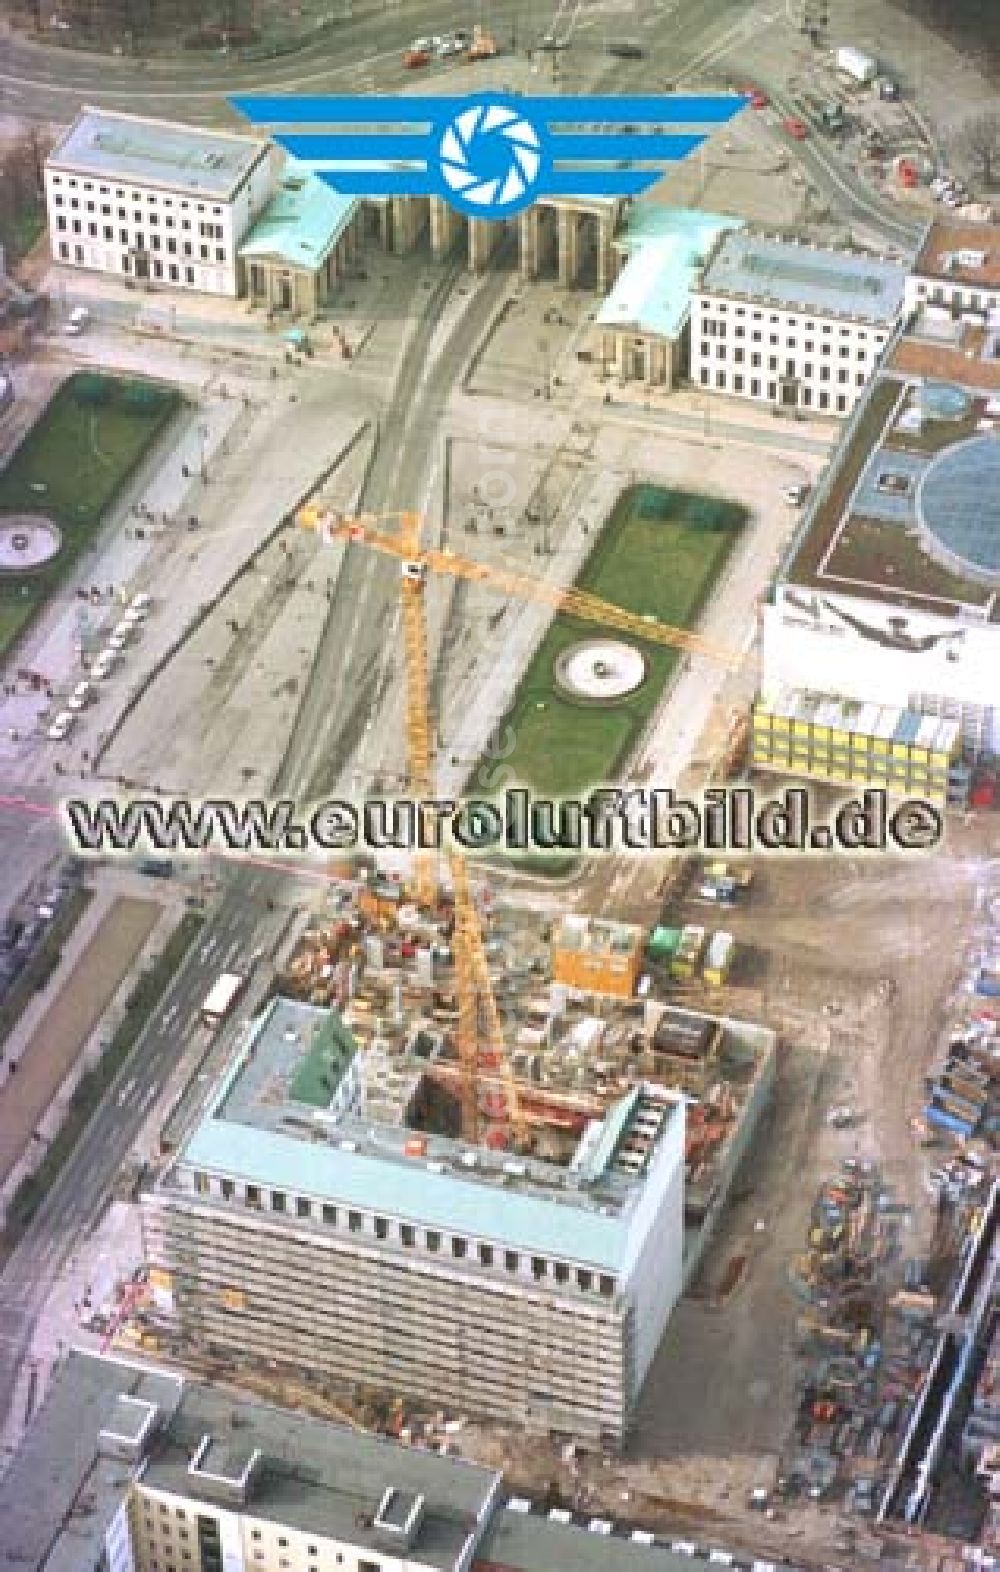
[
  {"x": 774, "y": 320},
  {"x": 409, "y": 1235},
  {"x": 134, "y": 196},
  {"x": 755, "y": 388}
]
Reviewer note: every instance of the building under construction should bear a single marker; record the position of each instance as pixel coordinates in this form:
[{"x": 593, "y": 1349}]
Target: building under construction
[{"x": 325, "y": 1211}]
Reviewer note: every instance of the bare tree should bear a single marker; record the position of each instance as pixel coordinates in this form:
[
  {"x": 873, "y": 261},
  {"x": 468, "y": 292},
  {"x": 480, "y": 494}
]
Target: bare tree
[{"x": 979, "y": 140}]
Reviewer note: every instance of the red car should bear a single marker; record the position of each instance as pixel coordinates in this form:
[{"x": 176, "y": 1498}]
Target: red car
[
  {"x": 797, "y": 129},
  {"x": 758, "y": 100},
  {"x": 416, "y": 57}
]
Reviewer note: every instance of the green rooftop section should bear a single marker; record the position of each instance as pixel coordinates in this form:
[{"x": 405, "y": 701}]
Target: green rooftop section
[
  {"x": 666, "y": 247},
  {"x": 302, "y": 223},
  {"x": 323, "y": 1067}
]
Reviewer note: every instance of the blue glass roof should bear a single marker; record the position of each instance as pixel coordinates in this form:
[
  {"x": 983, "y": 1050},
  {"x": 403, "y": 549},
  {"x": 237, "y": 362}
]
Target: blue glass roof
[{"x": 958, "y": 505}]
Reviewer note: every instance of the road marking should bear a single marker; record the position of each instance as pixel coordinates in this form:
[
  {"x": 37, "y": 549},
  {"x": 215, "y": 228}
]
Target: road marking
[{"x": 146, "y": 93}]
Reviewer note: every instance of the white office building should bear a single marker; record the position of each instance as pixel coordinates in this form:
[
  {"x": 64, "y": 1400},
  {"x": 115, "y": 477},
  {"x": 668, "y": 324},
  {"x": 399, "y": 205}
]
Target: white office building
[
  {"x": 791, "y": 325},
  {"x": 156, "y": 202}
]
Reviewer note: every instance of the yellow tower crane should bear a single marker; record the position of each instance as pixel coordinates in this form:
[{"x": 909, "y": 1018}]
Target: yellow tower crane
[{"x": 482, "y": 1052}]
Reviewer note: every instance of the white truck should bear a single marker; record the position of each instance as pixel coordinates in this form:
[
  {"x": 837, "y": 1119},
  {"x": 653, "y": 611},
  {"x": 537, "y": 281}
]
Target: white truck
[
  {"x": 854, "y": 63},
  {"x": 220, "y": 999}
]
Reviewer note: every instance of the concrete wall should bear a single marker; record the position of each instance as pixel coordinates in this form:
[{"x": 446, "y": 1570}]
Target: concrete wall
[
  {"x": 652, "y": 1275},
  {"x": 760, "y": 1093}
]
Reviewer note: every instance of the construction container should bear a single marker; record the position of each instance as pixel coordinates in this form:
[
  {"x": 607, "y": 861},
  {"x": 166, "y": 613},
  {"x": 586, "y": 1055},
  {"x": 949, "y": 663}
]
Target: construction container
[
  {"x": 684, "y": 965},
  {"x": 943, "y": 1120},
  {"x": 719, "y": 958},
  {"x": 663, "y": 943},
  {"x": 988, "y": 980}
]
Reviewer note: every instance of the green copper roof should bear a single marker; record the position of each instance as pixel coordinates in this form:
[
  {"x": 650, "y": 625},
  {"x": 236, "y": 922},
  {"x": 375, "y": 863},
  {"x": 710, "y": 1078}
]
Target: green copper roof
[{"x": 302, "y": 222}]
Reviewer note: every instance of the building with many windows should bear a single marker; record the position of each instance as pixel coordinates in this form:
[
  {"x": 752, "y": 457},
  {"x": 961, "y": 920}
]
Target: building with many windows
[
  {"x": 507, "y": 1285},
  {"x": 156, "y": 202},
  {"x": 131, "y": 1468},
  {"x": 792, "y": 325}
]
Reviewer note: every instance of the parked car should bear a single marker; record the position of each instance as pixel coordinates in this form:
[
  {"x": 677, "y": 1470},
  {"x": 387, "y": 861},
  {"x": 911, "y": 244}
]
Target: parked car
[
  {"x": 80, "y": 696},
  {"x": 758, "y": 99},
  {"x": 76, "y": 322},
  {"x": 796, "y": 494},
  {"x": 61, "y": 726},
  {"x": 796, "y": 129},
  {"x": 415, "y": 58},
  {"x": 626, "y": 49},
  {"x": 105, "y": 663}
]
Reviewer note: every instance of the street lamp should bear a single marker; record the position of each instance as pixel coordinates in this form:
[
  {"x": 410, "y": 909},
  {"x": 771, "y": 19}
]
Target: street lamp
[{"x": 543, "y": 345}]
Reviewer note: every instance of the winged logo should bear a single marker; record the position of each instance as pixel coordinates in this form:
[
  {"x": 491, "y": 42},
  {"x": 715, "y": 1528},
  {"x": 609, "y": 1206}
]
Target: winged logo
[{"x": 489, "y": 155}]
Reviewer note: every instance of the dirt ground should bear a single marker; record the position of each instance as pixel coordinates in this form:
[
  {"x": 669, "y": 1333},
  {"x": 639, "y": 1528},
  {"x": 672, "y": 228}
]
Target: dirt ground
[
  {"x": 853, "y": 961},
  {"x": 63, "y": 1031}
]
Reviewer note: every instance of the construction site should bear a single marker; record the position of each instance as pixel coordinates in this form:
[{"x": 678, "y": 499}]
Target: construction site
[{"x": 559, "y": 1188}]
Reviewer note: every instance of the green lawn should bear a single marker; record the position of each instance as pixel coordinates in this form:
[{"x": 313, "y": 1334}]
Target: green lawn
[
  {"x": 20, "y": 232},
  {"x": 71, "y": 465},
  {"x": 659, "y": 553}
]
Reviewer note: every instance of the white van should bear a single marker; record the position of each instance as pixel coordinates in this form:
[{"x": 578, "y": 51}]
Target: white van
[
  {"x": 77, "y": 321},
  {"x": 140, "y": 601},
  {"x": 61, "y": 726}
]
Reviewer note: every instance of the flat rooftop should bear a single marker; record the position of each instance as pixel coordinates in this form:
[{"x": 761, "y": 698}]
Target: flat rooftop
[
  {"x": 801, "y": 277},
  {"x": 665, "y": 247},
  {"x": 906, "y": 512},
  {"x": 597, "y": 936},
  {"x": 107, "y": 145},
  {"x": 528, "y": 1541},
  {"x": 299, "y": 1054},
  {"x": 322, "y": 1477},
  {"x": 61, "y": 1493},
  {"x": 960, "y": 253},
  {"x": 256, "y": 1130}
]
